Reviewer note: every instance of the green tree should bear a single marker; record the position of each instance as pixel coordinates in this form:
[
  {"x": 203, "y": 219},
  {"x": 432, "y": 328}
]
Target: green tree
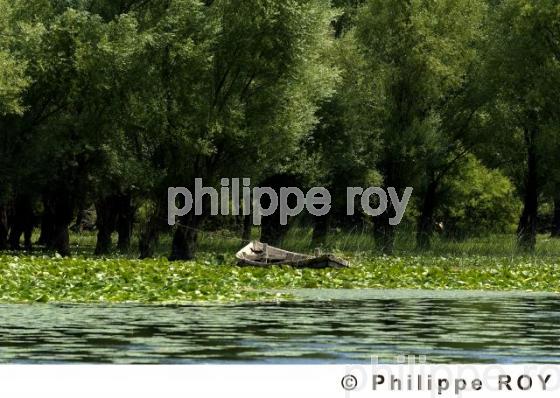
[
  {"x": 65, "y": 144},
  {"x": 523, "y": 65},
  {"x": 419, "y": 56},
  {"x": 476, "y": 201},
  {"x": 12, "y": 68},
  {"x": 13, "y": 81},
  {"x": 232, "y": 85},
  {"x": 345, "y": 146}
]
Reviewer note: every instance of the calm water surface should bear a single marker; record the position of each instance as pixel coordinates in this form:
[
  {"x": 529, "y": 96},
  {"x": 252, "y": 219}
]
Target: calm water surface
[{"x": 323, "y": 327}]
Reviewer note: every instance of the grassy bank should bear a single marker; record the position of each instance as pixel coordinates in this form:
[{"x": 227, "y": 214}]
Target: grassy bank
[{"x": 45, "y": 278}]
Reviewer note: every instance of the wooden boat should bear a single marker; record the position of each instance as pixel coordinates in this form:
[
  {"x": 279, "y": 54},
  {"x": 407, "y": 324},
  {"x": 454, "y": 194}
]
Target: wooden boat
[{"x": 259, "y": 254}]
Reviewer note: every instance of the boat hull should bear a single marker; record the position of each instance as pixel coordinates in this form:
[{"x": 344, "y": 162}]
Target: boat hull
[{"x": 257, "y": 254}]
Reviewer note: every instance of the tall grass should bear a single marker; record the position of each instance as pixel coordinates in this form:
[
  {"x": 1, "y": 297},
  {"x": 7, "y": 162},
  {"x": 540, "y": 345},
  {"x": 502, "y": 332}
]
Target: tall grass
[
  {"x": 351, "y": 243},
  {"x": 362, "y": 242}
]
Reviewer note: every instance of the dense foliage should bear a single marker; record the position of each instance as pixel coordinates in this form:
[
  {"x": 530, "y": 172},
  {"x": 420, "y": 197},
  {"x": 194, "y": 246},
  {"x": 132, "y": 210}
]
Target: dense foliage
[{"x": 105, "y": 104}]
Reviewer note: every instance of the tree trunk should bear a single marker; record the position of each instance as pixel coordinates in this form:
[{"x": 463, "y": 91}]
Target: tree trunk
[
  {"x": 527, "y": 229},
  {"x": 556, "y": 217},
  {"x": 383, "y": 231},
  {"x": 47, "y": 223},
  {"x": 106, "y": 224},
  {"x": 185, "y": 239},
  {"x": 125, "y": 222},
  {"x": 272, "y": 232},
  {"x": 150, "y": 231},
  {"x": 63, "y": 216},
  {"x": 124, "y": 230},
  {"x": 15, "y": 233},
  {"x": 27, "y": 235},
  {"x": 149, "y": 238},
  {"x": 22, "y": 223},
  {"x": 4, "y": 229},
  {"x": 61, "y": 239},
  {"x": 426, "y": 218}
]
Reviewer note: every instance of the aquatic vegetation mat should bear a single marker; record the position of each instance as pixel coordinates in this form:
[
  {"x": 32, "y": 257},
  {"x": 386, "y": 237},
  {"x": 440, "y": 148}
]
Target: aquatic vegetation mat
[{"x": 217, "y": 279}]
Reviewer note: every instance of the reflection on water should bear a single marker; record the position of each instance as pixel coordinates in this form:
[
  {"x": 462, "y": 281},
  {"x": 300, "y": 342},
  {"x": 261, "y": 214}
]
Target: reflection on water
[{"x": 326, "y": 327}]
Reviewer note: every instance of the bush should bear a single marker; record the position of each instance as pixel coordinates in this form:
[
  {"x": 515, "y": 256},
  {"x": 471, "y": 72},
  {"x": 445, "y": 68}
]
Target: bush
[{"x": 477, "y": 201}]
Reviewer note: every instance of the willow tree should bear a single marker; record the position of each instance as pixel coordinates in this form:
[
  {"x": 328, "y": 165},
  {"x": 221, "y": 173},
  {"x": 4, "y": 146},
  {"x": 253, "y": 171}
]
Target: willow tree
[
  {"x": 231, "y": 85},
  {"x": 419, "y": 54},
  {"x": 13, "y": 81},
  {"x": 523, "y": 65},
  {"x": 70, "y": 131},
  {"x": 345, "y": 145},
  {"x": 12, "y": 68},
  {"x": 55, "y": 124}
]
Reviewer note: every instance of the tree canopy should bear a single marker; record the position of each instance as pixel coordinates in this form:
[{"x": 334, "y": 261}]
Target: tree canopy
[{"x": 105, "y": 104}]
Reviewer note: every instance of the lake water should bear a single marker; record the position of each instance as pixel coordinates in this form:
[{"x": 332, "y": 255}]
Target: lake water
[{"x": 345, "y": 326}]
